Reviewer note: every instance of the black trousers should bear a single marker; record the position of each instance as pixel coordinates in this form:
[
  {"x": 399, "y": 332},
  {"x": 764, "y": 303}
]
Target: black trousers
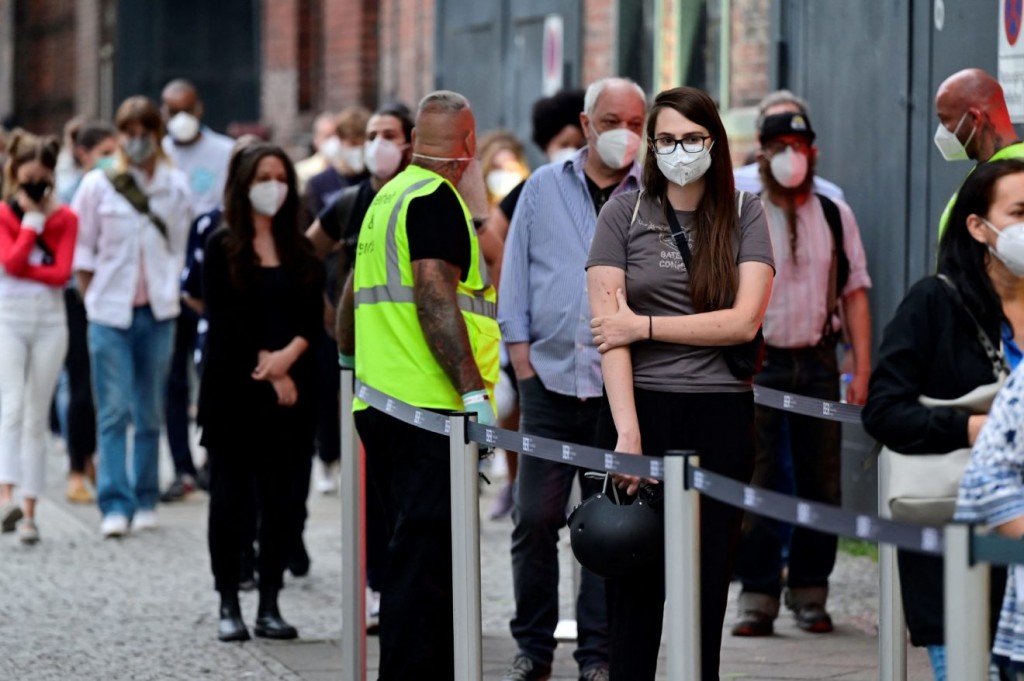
[
  {"x": 720, "y": 426},
  {"x": 245, "y": 481},
  {"x": 410, "y": 467},
  {"x": 81, "y": 415}
]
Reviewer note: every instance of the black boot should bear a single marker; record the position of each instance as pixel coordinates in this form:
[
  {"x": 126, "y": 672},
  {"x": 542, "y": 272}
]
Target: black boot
[
  {"x": 231, "y": 627},
  {"x": 269, "y": 623}
]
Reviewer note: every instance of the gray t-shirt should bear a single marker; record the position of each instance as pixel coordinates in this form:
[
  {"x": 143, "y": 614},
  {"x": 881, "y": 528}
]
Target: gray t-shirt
[{"x": 658, "y": 284}]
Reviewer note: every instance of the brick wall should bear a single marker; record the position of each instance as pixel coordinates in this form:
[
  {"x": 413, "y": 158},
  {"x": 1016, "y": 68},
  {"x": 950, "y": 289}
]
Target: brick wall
[
  {"x": 87, "y": 56},
  {"x": 350, "y": 53},
  {"x": 406, "y": 64},
  {"x": 751, "y": 36},
  {"x": 280, "y": 72},
  {"x": 599, "y": 39},
  {"x": 44, "y": 64}
]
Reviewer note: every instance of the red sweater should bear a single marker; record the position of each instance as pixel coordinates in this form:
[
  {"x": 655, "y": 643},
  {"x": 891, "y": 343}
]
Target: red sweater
[{"x": 16, "y": 243}]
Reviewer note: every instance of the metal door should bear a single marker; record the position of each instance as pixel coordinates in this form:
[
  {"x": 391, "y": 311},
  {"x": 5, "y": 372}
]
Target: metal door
[
  {"x": 492, "y": 53},
  {"x": 213, "y": 44}
]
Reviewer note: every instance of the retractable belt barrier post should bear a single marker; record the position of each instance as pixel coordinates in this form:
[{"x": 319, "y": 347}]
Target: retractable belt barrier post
[
  {"x": 465, "y": 456},
  {"x": 684, "y": 481},
  {"x": 682, "y": 566},
  {"x": 892, "y": 629},
  {"x": 353, "y": 541},
  {"x": 966, "y": 603}
]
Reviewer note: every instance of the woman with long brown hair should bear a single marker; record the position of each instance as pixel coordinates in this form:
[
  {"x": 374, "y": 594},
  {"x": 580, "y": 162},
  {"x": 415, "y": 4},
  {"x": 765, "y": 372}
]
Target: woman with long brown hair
[
  {"x": 261, "y": 291},
  {"x": 662, "y": 317}
]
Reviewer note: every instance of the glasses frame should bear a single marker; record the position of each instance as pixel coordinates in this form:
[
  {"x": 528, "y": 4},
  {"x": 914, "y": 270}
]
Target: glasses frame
[{"x": 677, "y": 143}]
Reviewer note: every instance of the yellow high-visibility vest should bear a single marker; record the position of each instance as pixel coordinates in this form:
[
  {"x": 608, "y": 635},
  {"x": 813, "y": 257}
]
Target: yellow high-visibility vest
[{"x": 392, "y": 354}]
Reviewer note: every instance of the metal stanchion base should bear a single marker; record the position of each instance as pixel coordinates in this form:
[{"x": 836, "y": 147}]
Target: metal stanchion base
[{"x": 566, "y": 630}]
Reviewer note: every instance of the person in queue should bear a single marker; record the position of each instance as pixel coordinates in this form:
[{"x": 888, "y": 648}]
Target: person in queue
[
  {"x": 37, "y": 244},
  {"x": 931, "y": 348},
  {"x": 133, "y": 226},
  {"x": 448, "y": 339},
  {"x": 544, "y": 313},
  {"x": 661, "y": 328},
  {"x": 262, "y": 298}
]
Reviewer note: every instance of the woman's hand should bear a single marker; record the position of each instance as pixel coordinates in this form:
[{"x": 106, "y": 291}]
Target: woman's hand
[
  {"x": 621, "y": 328},
  {"x": 47, "y": 205},
  {"x": 629, "y": 444},
  {"x": 287, "y": 393},
  {"x": 271, "y": 366}
]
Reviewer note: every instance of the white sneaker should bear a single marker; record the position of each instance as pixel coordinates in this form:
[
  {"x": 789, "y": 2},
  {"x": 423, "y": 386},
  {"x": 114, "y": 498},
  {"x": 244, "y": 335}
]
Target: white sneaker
[
  {"x": 114, "y": 525},
  {"x": 144, "y": 520},
  {"x": 326, "y": 477}
]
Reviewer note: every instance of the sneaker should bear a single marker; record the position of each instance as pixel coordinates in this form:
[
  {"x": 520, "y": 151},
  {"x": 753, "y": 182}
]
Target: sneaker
[
  {"x": 203, "y": 477},
  {"x": 179, "y": 489},
  {"x": 525, "y": 669},
  {"x": 596, "y": 674},
  {"x": 326, "y": 477},
  {"x": 811, "y": 617},
  {"x": 28, "y": 533},
  {"x": 372, "y": 611},
  {"x": 10, "y": 514},
  {"x": 502, "y": 504},
  {"x": 144, "y": 520},
  {"x": 753, "y": 623},
  {"x": 114, "y": 525}
]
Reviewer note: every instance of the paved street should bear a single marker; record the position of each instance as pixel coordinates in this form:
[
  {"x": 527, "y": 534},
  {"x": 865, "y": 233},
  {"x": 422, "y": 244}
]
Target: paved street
[{"x": 78, "y": 607}]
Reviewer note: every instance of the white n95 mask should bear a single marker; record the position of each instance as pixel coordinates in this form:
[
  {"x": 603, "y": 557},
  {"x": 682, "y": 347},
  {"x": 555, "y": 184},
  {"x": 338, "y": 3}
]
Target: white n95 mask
[
  {"x": 683, "y": 167},
  {"x": 1009, "y": 246},
  {"x": 951, "y": 148},
  {"x": 618, "y": 147},
  {"x": 268, "y": 197},
  {"x": 789, "y": 168},
  {"x": 382, "y": 158}
]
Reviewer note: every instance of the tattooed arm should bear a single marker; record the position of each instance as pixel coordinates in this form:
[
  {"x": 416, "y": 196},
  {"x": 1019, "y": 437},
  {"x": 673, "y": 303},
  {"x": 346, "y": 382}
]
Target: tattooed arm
[
  {"x": 435, "y": 283},
  {"x": 345, "y": 322}
]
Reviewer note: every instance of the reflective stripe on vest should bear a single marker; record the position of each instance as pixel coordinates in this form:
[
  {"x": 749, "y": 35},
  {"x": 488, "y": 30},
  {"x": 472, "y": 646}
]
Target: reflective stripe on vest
[{"x": 396, "y": 292}]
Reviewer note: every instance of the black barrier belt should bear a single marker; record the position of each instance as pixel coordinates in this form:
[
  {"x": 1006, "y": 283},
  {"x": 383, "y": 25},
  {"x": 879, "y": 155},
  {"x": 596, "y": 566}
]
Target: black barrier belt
[
  {"x": 531, "y": 445},
  {"x": 986, "y": 548},
  {"x": 817, "y": 516},
  {"x": 807, "y": 406}
]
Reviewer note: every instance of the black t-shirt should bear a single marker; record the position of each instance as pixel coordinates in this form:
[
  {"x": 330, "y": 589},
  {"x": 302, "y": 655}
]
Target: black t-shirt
[
  {"x": 331, "y": 216},
  {"x": 599, "y": 195},
  {"x": 436, "y": 229},
  {"x": 508, "y": 204}
]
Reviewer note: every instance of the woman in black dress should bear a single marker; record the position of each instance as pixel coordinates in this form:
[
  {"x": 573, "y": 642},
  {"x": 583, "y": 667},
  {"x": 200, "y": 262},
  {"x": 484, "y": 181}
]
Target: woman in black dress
[{"x": 261, "y": 288}]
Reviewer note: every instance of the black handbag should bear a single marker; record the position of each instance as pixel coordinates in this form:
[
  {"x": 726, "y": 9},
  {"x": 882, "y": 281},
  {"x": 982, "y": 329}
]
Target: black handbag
[{"x": 743, "y": 359}]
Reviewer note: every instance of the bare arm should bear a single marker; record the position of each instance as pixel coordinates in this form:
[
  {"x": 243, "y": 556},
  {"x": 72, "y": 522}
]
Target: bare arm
[
  {"x": 730, "y": 326},
  {"x": 519, "y": 357},
  {"x": 435, "y": 283},
  {"x": 492, "y": 248},
  {"x": 345, "y": 322},
  {"x": 323, "y": 244},
  {"x": 83, "y": 278},
  {"x": 858, "y": 324},
  {"x": 617, "y": 369}
]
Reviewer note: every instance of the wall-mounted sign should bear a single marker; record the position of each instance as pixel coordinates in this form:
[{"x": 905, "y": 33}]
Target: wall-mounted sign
[
  {"x": 554, "y": 54},
  {"x": 1011, "y": 57}
]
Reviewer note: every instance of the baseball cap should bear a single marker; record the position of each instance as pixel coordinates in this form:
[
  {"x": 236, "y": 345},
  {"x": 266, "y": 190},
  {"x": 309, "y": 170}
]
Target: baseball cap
[{"x": 788, "y": 123}]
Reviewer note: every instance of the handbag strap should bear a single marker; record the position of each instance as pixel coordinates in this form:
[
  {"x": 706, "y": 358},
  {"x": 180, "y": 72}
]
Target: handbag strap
[
  {"x": 1000, "y": 366},
  {"x": 677, "y": 230}
]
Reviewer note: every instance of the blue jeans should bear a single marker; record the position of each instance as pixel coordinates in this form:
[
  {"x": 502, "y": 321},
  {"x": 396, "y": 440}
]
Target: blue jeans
[
  {"x": 541, "y": 494},
  {"x": 937, "y": 656},
  {"x": 129, "y": 375}
]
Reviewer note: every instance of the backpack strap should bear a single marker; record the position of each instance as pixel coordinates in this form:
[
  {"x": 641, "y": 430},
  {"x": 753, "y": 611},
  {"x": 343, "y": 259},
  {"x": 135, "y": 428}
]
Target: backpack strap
[
  {"x": 839, "y": 269},
  {"x": 125, "y": 185}
]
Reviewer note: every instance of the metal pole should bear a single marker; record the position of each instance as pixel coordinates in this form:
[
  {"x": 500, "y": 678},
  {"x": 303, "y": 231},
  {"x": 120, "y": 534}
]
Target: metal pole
[
  {"x": 682, "y": 568},
  {"x": 892, "y": 629},
  {"x": 353, "y": 541},
  {"x": 966, "y": 596},
  {"x": 464, "y": 459}
]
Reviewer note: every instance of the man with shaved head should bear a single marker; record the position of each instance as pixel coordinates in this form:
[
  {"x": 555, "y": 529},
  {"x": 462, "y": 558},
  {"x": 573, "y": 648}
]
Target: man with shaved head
[
  {"x": 425, "y": 334},
  {"x": 974, "y": 123}
]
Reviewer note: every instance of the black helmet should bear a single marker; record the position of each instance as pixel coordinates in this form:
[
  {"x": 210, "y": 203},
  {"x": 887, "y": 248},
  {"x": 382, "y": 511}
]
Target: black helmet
[{"x": 612, "y": 538}]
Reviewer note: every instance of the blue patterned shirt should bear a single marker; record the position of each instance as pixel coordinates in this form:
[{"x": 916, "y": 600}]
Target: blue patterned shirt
[{"x": 542, "y": 299}]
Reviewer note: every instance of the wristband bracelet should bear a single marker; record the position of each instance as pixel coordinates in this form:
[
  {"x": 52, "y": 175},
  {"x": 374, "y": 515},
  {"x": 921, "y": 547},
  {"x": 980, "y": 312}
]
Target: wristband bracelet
[
  {"x": 650, "y": 327},
  {"x": 475, "y": 397}
]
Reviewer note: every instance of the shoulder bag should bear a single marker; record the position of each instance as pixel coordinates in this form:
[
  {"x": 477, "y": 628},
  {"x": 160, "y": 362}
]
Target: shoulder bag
[{"x": 922, "y": 488}]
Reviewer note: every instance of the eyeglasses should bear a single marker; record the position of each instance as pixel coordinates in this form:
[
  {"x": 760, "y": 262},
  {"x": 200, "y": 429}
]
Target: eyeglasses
[{"x": 691, "y": 144}]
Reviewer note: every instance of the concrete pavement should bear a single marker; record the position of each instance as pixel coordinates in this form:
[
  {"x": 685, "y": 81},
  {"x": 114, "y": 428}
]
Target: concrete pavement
[{"x": 78, "y": 607}]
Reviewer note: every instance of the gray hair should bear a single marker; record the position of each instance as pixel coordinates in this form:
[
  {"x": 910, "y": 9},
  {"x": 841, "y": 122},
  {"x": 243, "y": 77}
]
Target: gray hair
[
  {"x": 598, "y": 86},
  {"x": 442, "y": 102},
  {"x": 780, "y": 97}
]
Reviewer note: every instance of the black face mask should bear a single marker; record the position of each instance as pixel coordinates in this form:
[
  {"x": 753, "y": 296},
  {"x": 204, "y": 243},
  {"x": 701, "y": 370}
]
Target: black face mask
[{"x": 36, "y": 190}]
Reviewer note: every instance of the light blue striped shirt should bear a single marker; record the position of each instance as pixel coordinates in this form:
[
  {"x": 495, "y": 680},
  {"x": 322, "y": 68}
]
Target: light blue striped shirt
[{"x": 543, "y": 295}]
